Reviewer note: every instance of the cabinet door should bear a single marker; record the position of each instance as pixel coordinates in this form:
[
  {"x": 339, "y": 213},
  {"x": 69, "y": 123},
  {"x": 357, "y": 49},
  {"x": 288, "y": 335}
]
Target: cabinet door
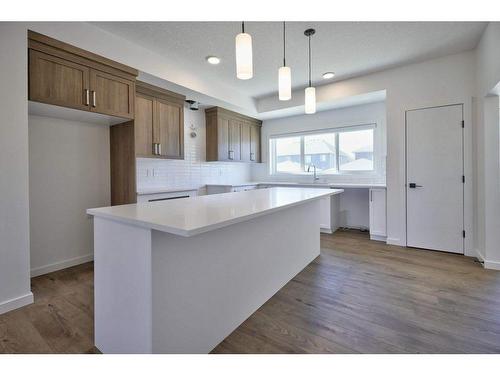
[
  {"x": 170, "y": 125},
  {"x": 111, "y": 95},
  {"x": 222, "y": 138},
  {"x": 143, "y": 125},
  {"x": 377, "y": 214},
  {"x": 245, "y": 141},
  {"x": 56, "y": 81},
  {"x": 255, "y": 143},
  {"x": 234, "y": 140}
]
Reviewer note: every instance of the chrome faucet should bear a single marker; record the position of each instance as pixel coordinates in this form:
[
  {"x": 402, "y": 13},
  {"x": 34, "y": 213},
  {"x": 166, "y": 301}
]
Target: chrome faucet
[{"x": 316, "y": 178}]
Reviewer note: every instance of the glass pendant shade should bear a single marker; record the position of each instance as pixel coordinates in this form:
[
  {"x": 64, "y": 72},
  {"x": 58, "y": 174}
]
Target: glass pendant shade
[
  {"x": 285, "y": 83},
  {"x": 244, "y": 65},
  {"x": 310, "y": 102}
]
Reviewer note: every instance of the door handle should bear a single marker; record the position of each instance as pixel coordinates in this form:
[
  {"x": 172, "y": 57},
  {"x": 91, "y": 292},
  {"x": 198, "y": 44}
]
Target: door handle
[
  {"x": 93, "y": 99},
  {"x": 413, "y": 185},
  {"x": 87, "y": 97}
]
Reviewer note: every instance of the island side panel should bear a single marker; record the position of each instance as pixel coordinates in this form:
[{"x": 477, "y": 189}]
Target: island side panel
[
  {"x": 205, "y": 286},
  {"x": 122, "y": 287}
]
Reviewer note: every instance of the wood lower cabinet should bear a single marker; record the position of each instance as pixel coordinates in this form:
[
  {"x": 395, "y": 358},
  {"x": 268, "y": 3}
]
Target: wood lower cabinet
[
  {"x": 67, "y": 76},
  {"x": 159, "y": 123},
  {"x": 232, "y": 136}
]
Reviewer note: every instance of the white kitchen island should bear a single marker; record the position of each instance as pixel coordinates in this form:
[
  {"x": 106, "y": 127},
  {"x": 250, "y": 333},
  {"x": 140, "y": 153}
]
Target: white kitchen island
[{"x": 179, "y": 276}]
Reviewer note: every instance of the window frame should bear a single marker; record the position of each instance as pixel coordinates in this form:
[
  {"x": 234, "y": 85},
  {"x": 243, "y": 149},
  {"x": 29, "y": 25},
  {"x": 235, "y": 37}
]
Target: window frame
[{"x": 336, "y": 131}]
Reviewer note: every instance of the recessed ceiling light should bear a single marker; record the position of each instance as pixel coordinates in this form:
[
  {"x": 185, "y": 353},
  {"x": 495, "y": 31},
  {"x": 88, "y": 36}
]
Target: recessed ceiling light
[
  {"x": 214, "y": 60},
  {"x": 328, "y": 75}
]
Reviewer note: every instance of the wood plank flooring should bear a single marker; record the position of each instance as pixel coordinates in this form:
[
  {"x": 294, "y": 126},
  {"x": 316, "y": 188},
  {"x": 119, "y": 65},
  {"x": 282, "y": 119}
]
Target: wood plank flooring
[{"x": 358, "y": 296}]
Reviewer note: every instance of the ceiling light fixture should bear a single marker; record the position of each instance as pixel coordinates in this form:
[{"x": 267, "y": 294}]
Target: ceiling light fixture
[
  {"x": 244, "y": 65},
  {"x": 284, "y": 75},
  {"x": 310, "y": 92},
  {"x": 214, "y": 60},
  {"x": 328, "y": 75}
]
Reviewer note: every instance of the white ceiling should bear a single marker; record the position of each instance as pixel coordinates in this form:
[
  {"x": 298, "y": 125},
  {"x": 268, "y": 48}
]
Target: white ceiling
[{"x": 347, "y": 48}]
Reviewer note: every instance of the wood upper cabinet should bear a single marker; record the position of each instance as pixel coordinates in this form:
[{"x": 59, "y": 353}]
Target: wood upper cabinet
[
  {"x": 67, "y": 76},
  {"x": 143, "y": 124},
  {"x": 169, "y": 129},
  {"x": 245, "y": 141},
  {"x": 159, "y": 123},
  {"x": 57, "y": 81},
  {"x": 232, "y": 136},
  {"x": 255, "y": 143},
  {"x": 111, "y": 95},
  {"x": 234, "y": 139}
]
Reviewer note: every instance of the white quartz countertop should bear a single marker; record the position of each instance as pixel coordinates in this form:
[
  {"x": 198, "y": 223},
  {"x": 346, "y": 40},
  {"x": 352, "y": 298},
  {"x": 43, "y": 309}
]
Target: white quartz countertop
[
  {"x": 236, "y": 185},
  {"x": 190, "y": 216},
  {"x": 324, "y": 184},
  {"x": 149, "y": 191}
]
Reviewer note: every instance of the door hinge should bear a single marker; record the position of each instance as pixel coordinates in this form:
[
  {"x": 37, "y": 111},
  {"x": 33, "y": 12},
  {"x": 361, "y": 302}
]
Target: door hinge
[
  {"x": 463, "y": 234},
  {"x": 463, "y": 124},
  {"x": 463, "y": 179}
]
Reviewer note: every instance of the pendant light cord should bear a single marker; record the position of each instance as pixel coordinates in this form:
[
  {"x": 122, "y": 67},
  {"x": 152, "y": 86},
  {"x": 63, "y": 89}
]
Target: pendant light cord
[
  {"x": 243, "y": 27},
  {"x": 309, "y": 60},
  {"x": 284, "y": 44}
]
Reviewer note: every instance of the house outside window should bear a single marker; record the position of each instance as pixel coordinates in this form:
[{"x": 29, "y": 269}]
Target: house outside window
[{"x": 333, "y": 151}]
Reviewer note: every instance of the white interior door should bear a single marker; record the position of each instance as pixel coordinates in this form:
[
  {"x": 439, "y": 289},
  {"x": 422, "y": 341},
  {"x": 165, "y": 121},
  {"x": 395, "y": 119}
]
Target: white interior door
[{"x": 434, "y": 186}]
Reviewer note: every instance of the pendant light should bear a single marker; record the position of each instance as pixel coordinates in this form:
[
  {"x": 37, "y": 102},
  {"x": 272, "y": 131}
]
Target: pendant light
[
  {"x": 284, "y": 75},
  {"x": 244, "y": 65},
  {"x": 310, "y": 92}
]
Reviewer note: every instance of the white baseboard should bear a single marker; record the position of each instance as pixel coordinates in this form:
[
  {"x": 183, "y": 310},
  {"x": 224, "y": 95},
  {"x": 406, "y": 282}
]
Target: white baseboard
[
  {"x": 393, "y": 241},
  {"x": 488, "y": 264},
  {"x": 375, "y": 237},
  {"x": 61, "y": 265},
  {"x": 16, "y": 303},
  {"x": 326, "y": 230},
  {"x": 492, "y": 265}
]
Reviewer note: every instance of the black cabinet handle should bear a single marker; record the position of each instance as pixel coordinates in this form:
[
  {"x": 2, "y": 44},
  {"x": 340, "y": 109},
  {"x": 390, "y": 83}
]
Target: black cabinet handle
[{"x": 414, "y": 185}]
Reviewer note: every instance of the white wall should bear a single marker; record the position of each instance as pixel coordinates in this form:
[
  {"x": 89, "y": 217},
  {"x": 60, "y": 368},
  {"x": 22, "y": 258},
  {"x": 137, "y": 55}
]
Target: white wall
[
  {"x": 487, "y": 146},
  {"x": 193, "y": 171},
  {"x": 348, "y": 116},
  {"x": 69, "y": 164},
  {"x": 14, "y": 214}
]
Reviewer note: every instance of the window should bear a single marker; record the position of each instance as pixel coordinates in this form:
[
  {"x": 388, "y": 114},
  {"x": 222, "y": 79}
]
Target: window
[
  {"x": 333, "y": 151},
  {"x": 288, "y": 155}
]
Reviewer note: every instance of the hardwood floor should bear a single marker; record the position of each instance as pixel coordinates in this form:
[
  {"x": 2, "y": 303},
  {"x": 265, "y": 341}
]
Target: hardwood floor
[{"x": 359, "y": 296}]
